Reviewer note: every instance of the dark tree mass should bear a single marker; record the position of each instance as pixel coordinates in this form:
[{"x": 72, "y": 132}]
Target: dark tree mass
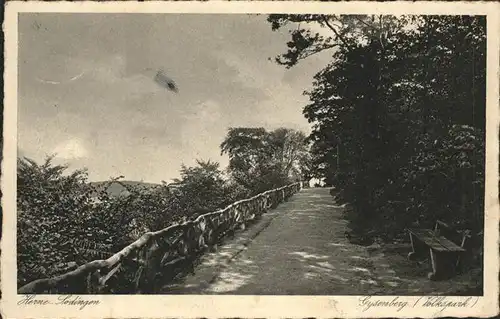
[{"x": 398, "y": 115}]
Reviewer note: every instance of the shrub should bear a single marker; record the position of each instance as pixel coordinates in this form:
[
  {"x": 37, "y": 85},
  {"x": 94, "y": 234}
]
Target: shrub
[{"x": 64, "y": 221}]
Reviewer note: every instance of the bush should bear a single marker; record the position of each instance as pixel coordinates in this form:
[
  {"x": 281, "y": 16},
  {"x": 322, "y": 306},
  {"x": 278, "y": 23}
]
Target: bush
[
  {"x": 56, "y": 214},
  {"x": 64, "y": 221}
]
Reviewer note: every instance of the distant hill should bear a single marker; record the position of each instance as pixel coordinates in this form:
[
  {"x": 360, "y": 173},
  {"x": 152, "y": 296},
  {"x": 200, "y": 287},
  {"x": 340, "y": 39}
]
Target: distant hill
[{"x": 116, "y": 189}]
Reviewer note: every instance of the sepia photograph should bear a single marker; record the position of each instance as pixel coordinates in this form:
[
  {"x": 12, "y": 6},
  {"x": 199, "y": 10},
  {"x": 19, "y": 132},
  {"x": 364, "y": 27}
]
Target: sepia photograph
[{"x": 251, "y": 154}]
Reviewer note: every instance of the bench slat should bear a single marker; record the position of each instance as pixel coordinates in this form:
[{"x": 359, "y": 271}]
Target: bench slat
[
  {"x": 438, "y": 243},
  {"x": 448, "y": 244}
]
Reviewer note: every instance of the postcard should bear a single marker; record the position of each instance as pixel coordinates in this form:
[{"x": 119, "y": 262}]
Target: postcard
[{"x": 250, "y": 159}]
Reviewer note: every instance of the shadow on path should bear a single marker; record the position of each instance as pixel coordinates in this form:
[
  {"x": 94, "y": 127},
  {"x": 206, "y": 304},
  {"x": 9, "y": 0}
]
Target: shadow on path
[{"x": 301, "y": 250}]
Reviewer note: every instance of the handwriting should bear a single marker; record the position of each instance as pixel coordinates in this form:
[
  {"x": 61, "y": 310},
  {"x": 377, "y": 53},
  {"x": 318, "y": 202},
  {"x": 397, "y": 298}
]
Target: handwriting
[
  {"x": 439, "y": 302},
  {"x": 367, "y": 302},
  {"x": 444, "y": 302},
  {"x": 68, "y": 300}
]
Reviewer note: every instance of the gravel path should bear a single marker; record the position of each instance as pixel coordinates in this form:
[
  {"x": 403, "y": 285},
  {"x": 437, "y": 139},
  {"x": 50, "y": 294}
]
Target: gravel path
[{"x": 300, "y": 249}]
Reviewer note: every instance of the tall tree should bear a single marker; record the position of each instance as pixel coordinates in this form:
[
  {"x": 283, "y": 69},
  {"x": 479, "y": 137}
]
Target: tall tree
[
  {"x": 391, "y": 108},
  {"x": 260, "y": 160}
]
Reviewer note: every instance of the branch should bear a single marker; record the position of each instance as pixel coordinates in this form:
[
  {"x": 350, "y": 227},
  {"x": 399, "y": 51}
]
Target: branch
[
  {"x": 380, "y": 30},
  {"x": 367, "y": 24},
  {"x": 325, "y": 20},
  {"x": 308, "y": 54}
]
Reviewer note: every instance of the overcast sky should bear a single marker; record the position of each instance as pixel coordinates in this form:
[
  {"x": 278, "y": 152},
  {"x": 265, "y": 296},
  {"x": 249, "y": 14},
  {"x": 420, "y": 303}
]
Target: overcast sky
[{"x": 86, "y": 89}]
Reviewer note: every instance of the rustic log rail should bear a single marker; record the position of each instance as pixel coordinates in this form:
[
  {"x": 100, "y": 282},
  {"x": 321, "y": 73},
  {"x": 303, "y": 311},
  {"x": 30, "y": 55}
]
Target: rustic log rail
[{"x": 157, "y": 257}]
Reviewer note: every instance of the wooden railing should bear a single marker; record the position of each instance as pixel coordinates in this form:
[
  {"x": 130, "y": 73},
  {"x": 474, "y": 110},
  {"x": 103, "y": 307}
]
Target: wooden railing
[{"x": 157, "y": 257}]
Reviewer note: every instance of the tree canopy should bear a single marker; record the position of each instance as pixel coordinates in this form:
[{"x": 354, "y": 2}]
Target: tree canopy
[
  {"x": 398, "y": 114},
  {"x": 260, "y": 160}
]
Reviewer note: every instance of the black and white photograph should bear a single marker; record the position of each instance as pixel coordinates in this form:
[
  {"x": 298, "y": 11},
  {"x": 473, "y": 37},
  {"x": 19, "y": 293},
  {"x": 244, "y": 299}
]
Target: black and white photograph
[{"x": 251, "y": 154}]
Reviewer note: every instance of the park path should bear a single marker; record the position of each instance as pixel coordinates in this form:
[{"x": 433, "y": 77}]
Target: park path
[{"x": 300, "y": 249}]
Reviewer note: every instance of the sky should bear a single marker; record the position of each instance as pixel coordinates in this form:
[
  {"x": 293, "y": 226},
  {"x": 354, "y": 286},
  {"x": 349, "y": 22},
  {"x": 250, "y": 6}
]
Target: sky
[{"x": 87, "y": 92}]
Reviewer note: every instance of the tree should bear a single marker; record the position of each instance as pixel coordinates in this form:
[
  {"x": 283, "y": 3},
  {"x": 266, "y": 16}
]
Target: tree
[
  {"x": 344, "y": 31},
  {"x": 202, "y": 189},
  {"x": 260, "y": 160},
  {"x": 288, "y": 148},
  {"x": 397, "y": 95}
]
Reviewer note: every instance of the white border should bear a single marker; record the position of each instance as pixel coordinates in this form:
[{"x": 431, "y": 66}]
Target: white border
[{"x": 247, "y": 306}]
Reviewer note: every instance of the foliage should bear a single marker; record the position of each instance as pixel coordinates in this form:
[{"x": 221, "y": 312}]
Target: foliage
[
  {"x": 56, "y": 214},
  {"x": 64, "y": 220},
  {"x": 202, "y": 189},
  {"x": 398, "y": 115},
  {"x": 260, "y": 160}
]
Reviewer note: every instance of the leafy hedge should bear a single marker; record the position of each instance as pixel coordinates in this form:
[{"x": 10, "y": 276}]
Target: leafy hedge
[{"x": 64, "y": 221}]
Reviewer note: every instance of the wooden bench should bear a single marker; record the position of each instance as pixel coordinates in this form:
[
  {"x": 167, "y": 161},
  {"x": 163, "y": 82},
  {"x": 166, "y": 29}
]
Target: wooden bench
[{"x": 444, "y": 245}]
